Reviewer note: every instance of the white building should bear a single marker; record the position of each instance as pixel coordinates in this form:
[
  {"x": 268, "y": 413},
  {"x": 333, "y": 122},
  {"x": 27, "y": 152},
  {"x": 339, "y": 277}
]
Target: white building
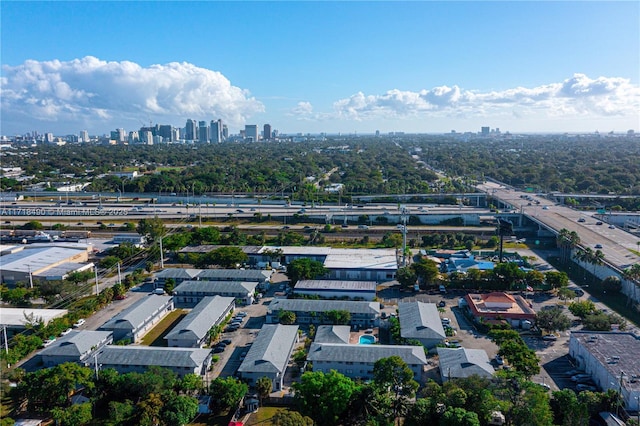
[
  {"x": 269, "y": 354},
  {"x": 611, "y": 358},
  {"x": 193, "y": 330}
]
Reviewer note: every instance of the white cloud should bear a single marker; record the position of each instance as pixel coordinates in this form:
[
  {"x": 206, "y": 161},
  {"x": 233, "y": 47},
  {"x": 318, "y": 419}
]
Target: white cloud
[
  {"x": 578, "y": 96},
  {"x": 86, "y": 92}
]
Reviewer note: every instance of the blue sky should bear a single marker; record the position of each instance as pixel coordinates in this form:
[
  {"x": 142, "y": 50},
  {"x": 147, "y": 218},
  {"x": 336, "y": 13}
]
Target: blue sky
[{"x": 321, "y": 66}]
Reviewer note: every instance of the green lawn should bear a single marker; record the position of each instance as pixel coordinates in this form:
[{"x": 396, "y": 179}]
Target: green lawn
[{"x": 156, "y": 336}]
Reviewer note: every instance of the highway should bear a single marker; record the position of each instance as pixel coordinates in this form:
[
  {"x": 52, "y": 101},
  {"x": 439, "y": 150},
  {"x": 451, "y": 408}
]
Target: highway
[{"x": 616, "y": 243}]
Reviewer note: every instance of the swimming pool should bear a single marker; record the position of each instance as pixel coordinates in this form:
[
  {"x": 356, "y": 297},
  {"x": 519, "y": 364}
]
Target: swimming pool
[{"x": 365, "y": 339}]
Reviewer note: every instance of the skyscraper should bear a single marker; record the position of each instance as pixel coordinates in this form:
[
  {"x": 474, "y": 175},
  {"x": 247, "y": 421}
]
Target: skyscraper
[
  {"x": 190, "y": 130},
  {"x": 251, "y": 132},
  {"x": 84, "y": 136},
  {"x": 225, "y": 132},
  {"x": 215, "y": 131},
  {"x": 266, "y": 132},
  {"x": 165, "y": 132},
  {"x": 203, "y": 132}
]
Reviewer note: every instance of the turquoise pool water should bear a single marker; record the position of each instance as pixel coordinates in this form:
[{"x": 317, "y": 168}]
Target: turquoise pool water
[{"x": 365, "y": 339}]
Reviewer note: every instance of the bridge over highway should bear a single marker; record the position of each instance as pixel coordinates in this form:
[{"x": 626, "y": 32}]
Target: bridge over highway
[{"x": 620, "y": 248}]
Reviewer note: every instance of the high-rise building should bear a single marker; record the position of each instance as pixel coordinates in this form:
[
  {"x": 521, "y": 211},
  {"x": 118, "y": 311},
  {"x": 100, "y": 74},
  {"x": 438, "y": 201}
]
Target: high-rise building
[
  {"x": 215, "y": 131},
  {"x": 146, "y": 137},
  {"x": 122, "y": 135},
  {"x": 485, "y": 131},
  {"x": 251, "y": 132},
  {"x": 191, "y": 130},
  {"x": 48, "y": 137},
  {"x": 165, "y": 132},
  {"x": 203, "y": 132},
  {"x": 133, "y": 137},
  {"x": 84, "y": 136},
  {"x": 266, "y": 132},
  {"x": 175, "y": 134},
  {"x": 225, "y": 132}
]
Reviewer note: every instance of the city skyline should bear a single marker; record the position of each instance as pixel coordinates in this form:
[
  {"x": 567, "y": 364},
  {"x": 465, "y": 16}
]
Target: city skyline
[{"x": 321, "y": 67}]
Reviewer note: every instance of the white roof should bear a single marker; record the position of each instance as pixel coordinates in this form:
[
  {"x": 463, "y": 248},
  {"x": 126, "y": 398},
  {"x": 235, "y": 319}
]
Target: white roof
[
  {"x": 17, "y": 316},
  {"x": 35, "y": 259},
  {"x": 362, "y": 259}
]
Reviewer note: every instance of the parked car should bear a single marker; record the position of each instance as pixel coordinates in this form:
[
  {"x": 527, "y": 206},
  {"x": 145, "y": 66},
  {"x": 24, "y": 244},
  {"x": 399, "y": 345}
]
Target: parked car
[
  {"x": 499, "y": 360},
  {"x": 79, "y": 323},
  {"x": 226, "y": 341},
  {"x": 550, "y": 337},
  {"x": 218, "y": 349},
  {"x": 442, "y": 304},
  {"x": 585, "y": 387},
  {"x": 48, "y": 342},
  {"x": 446, "y": 321},
  {"x": 67, "y": 331},
  {"x": 580, "y": 377}
]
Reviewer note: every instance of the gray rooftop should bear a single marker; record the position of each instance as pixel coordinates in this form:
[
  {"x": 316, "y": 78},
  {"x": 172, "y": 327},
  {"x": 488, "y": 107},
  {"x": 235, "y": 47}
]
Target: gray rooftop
[
  {"x": 615, "y": 351},
  {"x": 217, "y": 286},
  {"x": 336, "y": 285},
  {"x": 206, "y": 248},
  {"x": 148, "y": 356},
  {"x": 197, "y": 323},
  {"x": 332, "y": 334},
  {"x": 178, "y": 273},
  {"x": 305, "y": 305},
  {"x": 76, "y": 343},
  {"x": 463, "y": 362},
  {"x": 234, "y": 274},
  {"x": 270, "y": 351},
  {"x": 136, "y": 315},
  {"x": 336, "y": 352},
  {"x": 420, "y": 321}
]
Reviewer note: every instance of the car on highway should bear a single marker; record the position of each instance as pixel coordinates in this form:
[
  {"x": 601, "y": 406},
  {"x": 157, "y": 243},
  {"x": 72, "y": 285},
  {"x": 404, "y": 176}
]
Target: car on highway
[
  {"x": 612, "y": 227},
  {"x": 598, "y": 246},
  {"x": 550, "y": 337},
  {"x": 598, "y": 223},
  {"x": 581, "y": 220}
]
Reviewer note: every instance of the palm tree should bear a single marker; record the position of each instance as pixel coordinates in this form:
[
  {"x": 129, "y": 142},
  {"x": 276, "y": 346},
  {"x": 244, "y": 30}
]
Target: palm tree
[{"x": 567, "y": 241}]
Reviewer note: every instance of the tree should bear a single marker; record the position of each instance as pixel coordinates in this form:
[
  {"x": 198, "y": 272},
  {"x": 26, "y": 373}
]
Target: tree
[
  {"x": 179, "y": 410},
  {"x": 338, "y": 317},
  {"x": 565, "y": 293},
  {"x": 534, "y": 278},
  {"x": 567, "y": 241},
  {"x": 121, "y": 412},
  {"x": 227, "y": 392},
  {"x": 290, "y": 418},
  {"x": 153, "y": 229},
  {"x": 264, "y": 386},
  {"x": 304, "y": 269},
  {"x": 426, "y": 270},
  {"x": 394, "y": 375},
  {"x": 556, "y": 279},
  {"x": 149, "y": 409},
  {"x": 169, "y": 285},
  {"x": 323, "y": 397},
  {"x": 567, "y": 410},
  {"x": 406, "y": 276},
  {"x": 50, "y": 388},
  {"x": 507, "y": 274},
  {"x": 459, "y": 417},
  {"x": 227, "y": 257},
  {"x": 582, "y": 308},
  {"x": 33, "y": 225},
  {"x": 75, "y": 415},
  {"x": 287, "y": 317},
  {"x": 612, "y": 283},
  {"x": 552, "y": 320}
]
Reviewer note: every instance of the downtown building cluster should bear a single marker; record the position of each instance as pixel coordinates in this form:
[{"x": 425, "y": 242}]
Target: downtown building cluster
[{"x": 194, "y": 131}]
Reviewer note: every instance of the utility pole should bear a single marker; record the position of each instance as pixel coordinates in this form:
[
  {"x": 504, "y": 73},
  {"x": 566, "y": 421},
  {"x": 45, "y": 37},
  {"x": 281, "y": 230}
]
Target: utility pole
[
  {"x": 119, "y": 275},
  {"x": 95, "y": 363},
  {"x": 95, "y": 270},
  {"x": 161, "y": 255},
  {"x": 404, "y": 213},
  {"x": 30, "y": 277}
]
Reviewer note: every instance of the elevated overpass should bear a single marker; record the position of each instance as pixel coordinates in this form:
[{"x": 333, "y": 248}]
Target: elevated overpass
[{"x": 619, "y": 247}]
